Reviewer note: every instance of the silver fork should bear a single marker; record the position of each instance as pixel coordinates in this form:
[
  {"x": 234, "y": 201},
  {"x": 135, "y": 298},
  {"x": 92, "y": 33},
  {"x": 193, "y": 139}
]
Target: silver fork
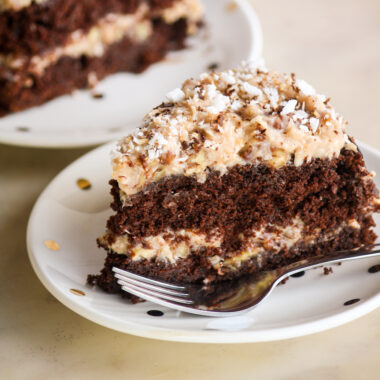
[{"x": 228, "y": 298}]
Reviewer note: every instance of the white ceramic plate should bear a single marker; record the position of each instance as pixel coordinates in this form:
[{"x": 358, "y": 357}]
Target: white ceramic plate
[
  {"x": 74, "y": 218},
  {"x": 79, "y": 119}
]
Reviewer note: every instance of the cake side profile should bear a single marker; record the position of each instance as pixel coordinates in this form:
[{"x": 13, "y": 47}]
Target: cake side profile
[
  {"x": 237, "y": 172},
  {"x": 52, "y": 47}
]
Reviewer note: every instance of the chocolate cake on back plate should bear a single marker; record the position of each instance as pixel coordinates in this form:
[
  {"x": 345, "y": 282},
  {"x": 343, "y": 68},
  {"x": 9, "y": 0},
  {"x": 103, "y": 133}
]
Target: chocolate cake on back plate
[
  {"x": 237, "y": 172},
  {"x": 52, "y": 47}
]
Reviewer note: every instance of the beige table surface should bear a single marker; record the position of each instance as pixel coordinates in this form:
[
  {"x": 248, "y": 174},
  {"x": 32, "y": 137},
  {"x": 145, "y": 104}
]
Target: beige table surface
[{"x": 333, "y": 44}]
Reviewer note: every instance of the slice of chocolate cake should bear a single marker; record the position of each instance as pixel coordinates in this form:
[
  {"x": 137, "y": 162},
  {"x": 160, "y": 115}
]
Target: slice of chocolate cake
[
  {"x": 52, "y": 47},
  {"x": 237, "y": 172}
]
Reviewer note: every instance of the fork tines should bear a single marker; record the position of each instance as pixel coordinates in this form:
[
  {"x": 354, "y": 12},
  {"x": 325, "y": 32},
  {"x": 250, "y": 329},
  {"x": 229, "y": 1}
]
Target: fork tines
[{"x": 150, "y": 289}]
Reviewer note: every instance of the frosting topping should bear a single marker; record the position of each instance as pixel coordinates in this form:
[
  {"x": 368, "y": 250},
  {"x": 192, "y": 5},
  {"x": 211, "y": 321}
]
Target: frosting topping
[{"x": 241, "y": 116}]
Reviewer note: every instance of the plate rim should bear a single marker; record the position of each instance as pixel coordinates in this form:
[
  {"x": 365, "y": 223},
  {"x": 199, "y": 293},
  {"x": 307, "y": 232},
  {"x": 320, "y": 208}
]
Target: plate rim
[
  {"x": 255, "y": 52},
  {"x": 160, "y": 333}
]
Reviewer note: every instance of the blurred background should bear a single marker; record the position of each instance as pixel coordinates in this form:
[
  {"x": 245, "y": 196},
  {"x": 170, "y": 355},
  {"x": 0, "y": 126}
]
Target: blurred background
[{"x": 334, "y": 45}]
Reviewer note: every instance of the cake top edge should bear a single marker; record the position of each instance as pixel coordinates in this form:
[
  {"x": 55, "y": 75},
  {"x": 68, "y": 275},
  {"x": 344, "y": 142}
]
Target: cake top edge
[{"x": 238, "y": 116}]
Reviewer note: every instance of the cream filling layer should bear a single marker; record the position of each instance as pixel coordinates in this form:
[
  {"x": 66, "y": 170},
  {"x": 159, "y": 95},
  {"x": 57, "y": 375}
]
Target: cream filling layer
[
  {"x": 171, "y": 246},
  {"x": 168, "y": 246},
  {"x": 109, "y": 30},
  {"x": 276, "y": 245}
]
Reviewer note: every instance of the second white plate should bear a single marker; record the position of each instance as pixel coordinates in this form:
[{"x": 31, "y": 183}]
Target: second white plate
[{"x": 230, "y": 36}]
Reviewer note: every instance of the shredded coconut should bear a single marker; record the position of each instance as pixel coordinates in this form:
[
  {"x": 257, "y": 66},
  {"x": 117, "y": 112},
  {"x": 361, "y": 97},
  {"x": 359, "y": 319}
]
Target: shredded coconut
[
  {"x": 251, "y": 90},
  {"x": 304, "y": 128},
  {"x": 211, "y": 91},
  {"x": 272, "y": 95},
  {"x": 175, "y": 95},
  {"x": 228, "y": 77},
  {"x": 219, "y": 104},
  {"x": 305, "y": 87},
  {"x": 289, "y": 107},
  {"x": 236, "y": 105},
  {"x": 314, "y": 123},
  {"x": 300, "y": 115}
]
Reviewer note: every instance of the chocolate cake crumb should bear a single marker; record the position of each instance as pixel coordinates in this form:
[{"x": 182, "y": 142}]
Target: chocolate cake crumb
[
  {"x": 98, "y": 95},
  {"x": 213, "y": 66},
  {"x": 284, "y": 281},
  {"x": 327, "y": 271}
]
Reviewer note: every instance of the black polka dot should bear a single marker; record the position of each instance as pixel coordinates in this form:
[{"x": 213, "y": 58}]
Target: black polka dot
[
  {"x": 374, "y": 269},
  {"x": 351, "y": 302},
  {"x": 298, "y": 274},
  {"x": 155, "y": 313}
]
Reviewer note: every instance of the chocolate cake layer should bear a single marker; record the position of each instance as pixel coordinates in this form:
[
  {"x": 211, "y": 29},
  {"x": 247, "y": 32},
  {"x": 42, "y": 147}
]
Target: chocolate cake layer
[
  {"x": 71, "y": 73},
  {"x": 323, "y": 194},
  {"x": 195, "y": 268},
  {"x": 39, "y": 27}
]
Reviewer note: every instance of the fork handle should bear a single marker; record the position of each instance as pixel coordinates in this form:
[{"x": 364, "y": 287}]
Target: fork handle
[{"x": 335, "y": 257}]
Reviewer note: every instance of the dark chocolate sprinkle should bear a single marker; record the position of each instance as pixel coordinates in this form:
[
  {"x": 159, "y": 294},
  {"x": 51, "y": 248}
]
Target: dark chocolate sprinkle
[
  {"x": 351, "y": 302},
  {"x": 374, "y": 269},
  {"x": 213, "y": 66},
  {"x": 155, "y": 313},
  {"x": 22, "y": 129},
  {"x": 284, "y": 281},
  {"x": 298, "y": 274}
]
